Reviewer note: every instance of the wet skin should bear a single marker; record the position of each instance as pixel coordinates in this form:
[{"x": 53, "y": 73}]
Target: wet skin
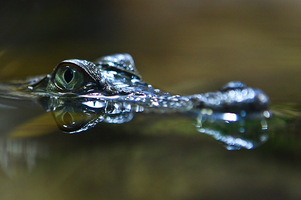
[
  {"x": 80, "y": 94},
  {"x": 115, "y": 77}
]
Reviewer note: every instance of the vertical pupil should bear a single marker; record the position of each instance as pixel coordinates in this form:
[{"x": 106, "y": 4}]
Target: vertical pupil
[
  {"x": 67, "y": 118},
  {"x": 68, "y": 75}
]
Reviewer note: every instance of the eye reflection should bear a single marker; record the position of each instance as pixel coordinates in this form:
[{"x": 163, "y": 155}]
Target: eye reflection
[{"x": 67, "y": 118}]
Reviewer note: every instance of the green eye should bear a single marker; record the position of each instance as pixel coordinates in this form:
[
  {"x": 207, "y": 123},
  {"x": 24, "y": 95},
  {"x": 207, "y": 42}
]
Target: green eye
[{"x": 68, "y": 77}]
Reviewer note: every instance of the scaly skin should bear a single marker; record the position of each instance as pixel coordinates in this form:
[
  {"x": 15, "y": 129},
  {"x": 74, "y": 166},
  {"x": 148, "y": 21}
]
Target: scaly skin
[{"x": 115, "y": 77}]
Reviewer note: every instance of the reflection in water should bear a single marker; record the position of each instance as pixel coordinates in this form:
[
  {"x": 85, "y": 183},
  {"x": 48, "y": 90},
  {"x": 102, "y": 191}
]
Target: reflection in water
[
  {"x": 236, "y": 131},
  {"x": 233, "y": 130},
  {"x": 75, "y": 116},
  {"x": 19, "y": 154},
  {"x": 80, "y": 94},
  {"x": 183, "y": 42}
]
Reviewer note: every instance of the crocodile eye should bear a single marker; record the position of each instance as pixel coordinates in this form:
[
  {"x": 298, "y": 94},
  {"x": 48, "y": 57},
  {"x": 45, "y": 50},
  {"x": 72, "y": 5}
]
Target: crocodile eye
[{"x": 68, "y": 77}]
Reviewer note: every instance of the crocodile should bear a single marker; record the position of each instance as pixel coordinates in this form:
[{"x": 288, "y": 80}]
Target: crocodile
[{"x": 115, "y": 78}]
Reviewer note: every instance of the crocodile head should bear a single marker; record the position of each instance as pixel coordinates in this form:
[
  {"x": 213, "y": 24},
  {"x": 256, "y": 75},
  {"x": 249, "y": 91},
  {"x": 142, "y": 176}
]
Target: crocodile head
[{"x": 109, "y": 75}]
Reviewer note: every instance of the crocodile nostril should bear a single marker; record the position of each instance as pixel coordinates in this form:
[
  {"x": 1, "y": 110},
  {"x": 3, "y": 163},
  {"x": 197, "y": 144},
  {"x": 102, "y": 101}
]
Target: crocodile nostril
[
  {"x": 234, "y": 85},
  {"x": 68, "y": 75}
]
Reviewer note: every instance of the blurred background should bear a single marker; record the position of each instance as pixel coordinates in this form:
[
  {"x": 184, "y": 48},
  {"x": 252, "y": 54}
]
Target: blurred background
[{"x": 180, "y": 46}]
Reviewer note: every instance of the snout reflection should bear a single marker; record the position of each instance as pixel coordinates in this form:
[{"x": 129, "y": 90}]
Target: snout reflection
[{"x": 234, "y": 130}]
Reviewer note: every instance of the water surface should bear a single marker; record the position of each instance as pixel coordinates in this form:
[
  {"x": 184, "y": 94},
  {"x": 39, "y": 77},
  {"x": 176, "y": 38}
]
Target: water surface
[{"x": 181, "y": 47}]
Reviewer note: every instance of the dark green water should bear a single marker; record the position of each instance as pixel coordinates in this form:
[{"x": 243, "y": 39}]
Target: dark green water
[{"x": 182, "y": 47}]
